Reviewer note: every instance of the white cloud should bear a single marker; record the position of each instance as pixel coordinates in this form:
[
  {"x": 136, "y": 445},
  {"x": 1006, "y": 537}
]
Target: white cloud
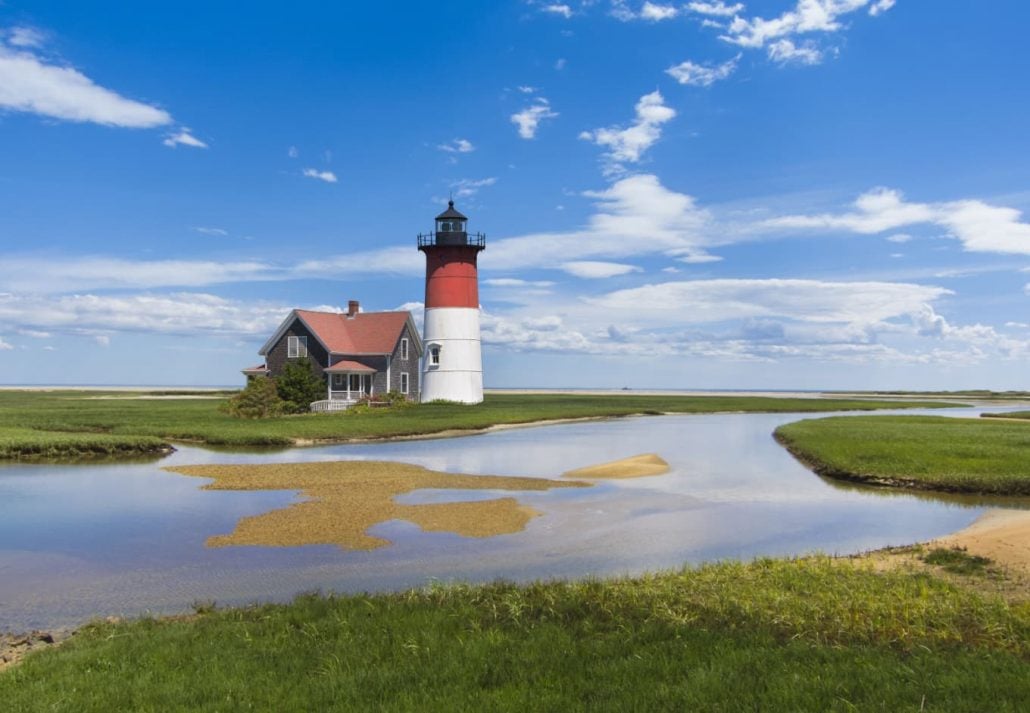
[
  {"x": 468, "y": 187},
  {"x": 180, "y": 313},
  {"x": 327, "y": 176},
  {"x": 880, "y": 6},
  {"x": 526, "y": 89},
  {"x": 699, "y": 257},
  {"x": 980, "y": 227},
  {"x": 786, "y": 52},
  {"x": 807, "y": 16},
  {"x": 71, "y": 274},
  {"x": 596, "y": 270},
  {"x": 703, "y": 301},
  {"x": 516, "y": 282},
  {"x": 699, "y": 75},
  {"x": 184, "y": 138},
  {"x": 558, "y": 9},
  {"x": 630, "y": 143},
  {"x": 293, "y": 152},
  {"x": 529, "y": 118},
  {"x": 652, "y": 12},
  {"x": 214, "y": 232},
  {"x": 25, "y": 37},
  {"x": 899, "y": 238},
  {"x": 457, "y": 146},
  {"x": 718, "y": 8},
  {"x": 103, "y": 340},
  {"x": 5, "y": 346},
  {"x": 30, "y": 83},
  {"x": 560, "y": 63},
  {"x": 35, "y": 333}
]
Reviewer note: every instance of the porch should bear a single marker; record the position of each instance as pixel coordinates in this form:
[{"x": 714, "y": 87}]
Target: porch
[{"x": 347, "y": 382}]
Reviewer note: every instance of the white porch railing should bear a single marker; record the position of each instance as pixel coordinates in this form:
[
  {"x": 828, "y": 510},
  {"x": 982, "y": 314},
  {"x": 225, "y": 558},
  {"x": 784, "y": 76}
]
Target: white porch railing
[{"x": 331, "y": 405}]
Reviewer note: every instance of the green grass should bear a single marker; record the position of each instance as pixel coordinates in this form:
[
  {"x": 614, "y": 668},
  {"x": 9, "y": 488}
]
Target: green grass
[
  {"x": 808, "y": 634},
  {"x": 31, "y": 422},
  {"x": 957, "y": 561},
  {"x": 929, "y": 452},
  {"x": 1010, "y": 414}
]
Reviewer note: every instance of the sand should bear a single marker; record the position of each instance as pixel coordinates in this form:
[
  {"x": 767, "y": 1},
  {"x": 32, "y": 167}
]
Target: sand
[
  {"x": 1001, "y": 535},
  {"x": 633, "y": 467},
  {"x": 346, "y": 498}
]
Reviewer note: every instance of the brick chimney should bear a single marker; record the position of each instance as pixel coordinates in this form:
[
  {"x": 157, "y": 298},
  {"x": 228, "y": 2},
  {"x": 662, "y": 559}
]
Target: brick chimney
[{"x": 353, "y": 307}]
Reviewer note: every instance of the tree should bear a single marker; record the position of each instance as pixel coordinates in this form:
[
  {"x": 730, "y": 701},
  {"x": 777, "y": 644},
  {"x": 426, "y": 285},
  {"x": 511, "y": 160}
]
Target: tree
[
  {"x": 298, "y": 386},
  {"x": 259, "y": 400}
]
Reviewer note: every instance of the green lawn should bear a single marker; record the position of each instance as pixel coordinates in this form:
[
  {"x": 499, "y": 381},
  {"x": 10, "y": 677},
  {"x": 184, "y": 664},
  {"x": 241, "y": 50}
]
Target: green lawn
[
  {"x": 804, "y": 635},
  {"x": 53, "y": 423},
  {"x": 930, "y": 452}
]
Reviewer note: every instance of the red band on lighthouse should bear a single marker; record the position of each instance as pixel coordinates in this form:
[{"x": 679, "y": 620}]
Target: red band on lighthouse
[{"x": 451, "y": 277}]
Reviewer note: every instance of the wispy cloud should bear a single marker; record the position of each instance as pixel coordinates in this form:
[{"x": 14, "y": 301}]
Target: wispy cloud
[
  {"x": 786, "y": 52},
  {"x": 327, "y": 176},
  {"x": 457, "y": 146},
  {"x": 627, "y": 145},
  {"x": 597, "y": 270},
  {"x": 33, "y": 84},
  {"x": 467, "y": 187},
  {"x": 25, "y": 37},
  {"x": 702, "y": 75},
  {"x": 560, "y": 9},
  {"x": 717, "y": 9},
  {"x": 980, "y": 227},
  {"x": 528, "y": 120},
  {"x": 5, "y": 346},
  {"x": 649, "y": 11},
  {"x": 880, "y": 6},
  {"x": 214, "y": 232},
  {"x": 183, "y": 137}
]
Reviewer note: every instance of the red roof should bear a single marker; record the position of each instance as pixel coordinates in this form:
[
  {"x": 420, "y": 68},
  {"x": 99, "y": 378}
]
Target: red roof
[
  {"x": 349, "y": 366},
  {"x": 364, "y": 333}
]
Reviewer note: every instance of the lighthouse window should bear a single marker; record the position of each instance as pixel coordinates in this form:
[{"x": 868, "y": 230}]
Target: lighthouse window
[{"x": 434, "y": 356}]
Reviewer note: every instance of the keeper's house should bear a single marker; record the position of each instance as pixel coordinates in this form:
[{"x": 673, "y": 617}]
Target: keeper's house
[{"x": 357, "y": 353}]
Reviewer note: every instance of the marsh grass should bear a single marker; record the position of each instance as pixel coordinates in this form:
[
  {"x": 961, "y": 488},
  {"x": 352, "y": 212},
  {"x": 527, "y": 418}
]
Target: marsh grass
[
  {"x": 928, "y": 452},
  {"x": 79, "y": 422},
  {"x": 957, "y": 560},
  {"x": 813, "y": 634}
]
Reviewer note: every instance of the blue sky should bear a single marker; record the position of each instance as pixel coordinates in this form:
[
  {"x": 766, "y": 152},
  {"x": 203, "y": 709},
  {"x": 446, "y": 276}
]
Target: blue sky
[{"x": 778, "y": 194}]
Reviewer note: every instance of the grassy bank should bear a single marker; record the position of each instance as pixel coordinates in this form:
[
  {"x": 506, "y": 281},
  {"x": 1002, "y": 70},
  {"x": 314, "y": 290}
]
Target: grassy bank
[
  {"x": 926, "y": 452},
  {"x": 29, "y": 420},
  {"x": 811, "y": 634},
  {"x": 1010, "y": 414}
]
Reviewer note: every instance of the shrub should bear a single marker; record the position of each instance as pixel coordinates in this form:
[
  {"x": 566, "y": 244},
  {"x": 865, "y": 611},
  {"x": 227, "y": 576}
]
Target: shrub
[
  {"x": 259, "y": 400},
  {"x": 298, "y": 386}
]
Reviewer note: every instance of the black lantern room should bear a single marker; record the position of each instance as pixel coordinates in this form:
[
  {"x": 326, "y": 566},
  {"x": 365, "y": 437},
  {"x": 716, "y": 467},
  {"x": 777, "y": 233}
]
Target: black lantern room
[{"x": 450, "y": 226}]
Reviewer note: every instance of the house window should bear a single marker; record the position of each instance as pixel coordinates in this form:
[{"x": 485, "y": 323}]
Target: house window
[
  {"x": 338, "y": 379},
  {"x": 434, "y": 356},
  {"x": 296, "y": 347},
  {"x": 404, "y": 348},
  {"x": 404, "y": 382}
]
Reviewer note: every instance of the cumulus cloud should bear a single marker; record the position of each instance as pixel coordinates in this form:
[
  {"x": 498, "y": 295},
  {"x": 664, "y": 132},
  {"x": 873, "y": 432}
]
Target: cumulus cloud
[
  {"x": 702, "y": 75},
  {"x": 786, "y": 52},
  {"x": 627, "y": 145},
  {"x": 183, "y": 137},
  {"x": 32, "y": 83},
  {"x": 717, "y": 9},
  {"x": 528, "y": 120},
  {"x": 5, "y": 346},
  {"x": 807, "y": 16},
  {"x": 980, "y": 227},
  {"x": 596, "y": 270},
  {"x": 327, "y": 176},
  {"x": 652, "y": 12},
  {"x": 559, "y": 9}
]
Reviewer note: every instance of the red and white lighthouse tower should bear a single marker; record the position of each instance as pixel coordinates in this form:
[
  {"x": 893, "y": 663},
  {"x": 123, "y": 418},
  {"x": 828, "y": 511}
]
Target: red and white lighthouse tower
[{"x": 453, "y": 367}]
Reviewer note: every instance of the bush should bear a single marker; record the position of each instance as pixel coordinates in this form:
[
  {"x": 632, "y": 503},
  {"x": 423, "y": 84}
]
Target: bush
[
  {"x": 259, "y": 400},
  {"x": 298, "y": 386}
]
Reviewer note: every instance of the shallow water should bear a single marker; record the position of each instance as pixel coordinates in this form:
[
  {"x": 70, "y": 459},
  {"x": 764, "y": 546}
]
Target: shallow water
[{"x": 78, "y": 541}]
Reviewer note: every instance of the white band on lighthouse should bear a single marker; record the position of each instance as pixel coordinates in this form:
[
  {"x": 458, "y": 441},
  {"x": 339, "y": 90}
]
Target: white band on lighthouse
[{"x": 453, "y": 369}]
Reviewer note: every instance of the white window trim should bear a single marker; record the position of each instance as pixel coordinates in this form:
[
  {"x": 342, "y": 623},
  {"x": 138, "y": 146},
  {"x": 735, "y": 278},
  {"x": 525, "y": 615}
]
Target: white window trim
[
  {"x": 405, "y": 382},
  {"x": 404, "y": 348},
  {"x": 296, "y": 347}
]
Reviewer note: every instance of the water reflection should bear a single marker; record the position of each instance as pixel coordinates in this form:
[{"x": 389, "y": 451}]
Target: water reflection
[{"x": 100, "y": 539}]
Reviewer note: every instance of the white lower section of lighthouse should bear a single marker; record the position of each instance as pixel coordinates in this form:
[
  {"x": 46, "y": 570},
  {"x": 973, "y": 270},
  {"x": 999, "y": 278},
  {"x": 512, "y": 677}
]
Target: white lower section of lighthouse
[{"x": 453, "y": 368}]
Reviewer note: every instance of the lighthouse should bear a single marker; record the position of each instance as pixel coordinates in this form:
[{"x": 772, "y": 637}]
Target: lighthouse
[{"x": 453, "y": 364}]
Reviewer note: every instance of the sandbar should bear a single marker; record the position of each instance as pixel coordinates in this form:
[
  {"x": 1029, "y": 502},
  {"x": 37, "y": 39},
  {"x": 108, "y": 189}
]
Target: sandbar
[
  {"x": 346, "y": 498},
  {"x": 633, "y": 467}
]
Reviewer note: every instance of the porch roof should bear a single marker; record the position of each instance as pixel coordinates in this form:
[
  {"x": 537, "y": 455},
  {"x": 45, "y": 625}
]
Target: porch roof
[
  {"x": 349, "y": 367},
  {"x": 259, "y": 369}
]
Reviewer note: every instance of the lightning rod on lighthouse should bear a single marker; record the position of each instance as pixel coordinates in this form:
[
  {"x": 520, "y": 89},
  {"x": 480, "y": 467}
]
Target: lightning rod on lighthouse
[{"x": 453, "y": 366}]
